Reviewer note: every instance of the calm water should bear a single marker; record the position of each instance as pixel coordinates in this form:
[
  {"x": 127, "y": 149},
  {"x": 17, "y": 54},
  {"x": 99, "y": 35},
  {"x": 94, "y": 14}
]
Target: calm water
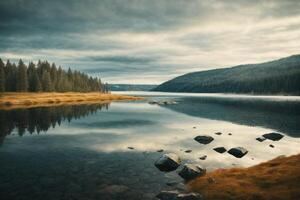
[{"x": 81, "y": 152}]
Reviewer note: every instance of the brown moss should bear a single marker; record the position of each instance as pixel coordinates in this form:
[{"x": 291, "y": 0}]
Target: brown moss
[
  {"x": 278, "y": 179},
  {"x": 12, "y": 100}
]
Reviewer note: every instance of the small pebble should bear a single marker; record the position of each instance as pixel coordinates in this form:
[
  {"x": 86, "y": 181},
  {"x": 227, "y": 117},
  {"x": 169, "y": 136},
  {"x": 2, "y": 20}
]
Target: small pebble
[
  {"x": 130, "y": 148},
  {"x": 188, "y": 151},
  {"x": 203, "y": 157},
  {"x": 271, "y": 145}
]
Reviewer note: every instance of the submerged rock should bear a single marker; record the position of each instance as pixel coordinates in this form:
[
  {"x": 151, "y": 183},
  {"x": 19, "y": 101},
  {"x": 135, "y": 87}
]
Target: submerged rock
[
  {"x": 114, "y": 189},
  {"x": 153, "y": 102},
  {"x": 203, "y": 157},
  {"x": 273, "y": 136},
  {"x": 218, "y": 133},
  {"x": 189, "y": 196},
  {"x": 168, "y": 195},
  {"x": 176, "y": 195},
  {"x": 220, "y": 149},
  {"x": 260, "y": 139},
  {"x": 131, "y": 148},
  {"x": 204, "y": 139},
  {"x": 191, "y": 171},
  {"x": 188, "y": 151},
  {"x": 238, "y": 152},
  {"x": 160, "y": 150},
  {"x": 168, "y": 162}
]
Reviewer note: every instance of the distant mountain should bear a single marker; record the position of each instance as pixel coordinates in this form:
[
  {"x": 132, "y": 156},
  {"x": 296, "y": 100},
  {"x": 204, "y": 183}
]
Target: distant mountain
[
  {"x": 275, "y": 77},
  {"x": 131, "y": 87}
]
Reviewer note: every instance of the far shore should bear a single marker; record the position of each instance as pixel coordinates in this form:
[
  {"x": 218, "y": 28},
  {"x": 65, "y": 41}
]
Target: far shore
[{"x": 13, "y": 100}]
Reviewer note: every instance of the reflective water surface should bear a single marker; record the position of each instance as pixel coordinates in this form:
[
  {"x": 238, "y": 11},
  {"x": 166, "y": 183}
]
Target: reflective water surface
[{"x": 81, "y": 152}]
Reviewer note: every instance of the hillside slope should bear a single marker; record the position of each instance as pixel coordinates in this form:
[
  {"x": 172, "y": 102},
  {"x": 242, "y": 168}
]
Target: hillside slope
[{"x": 275, "y": 77}]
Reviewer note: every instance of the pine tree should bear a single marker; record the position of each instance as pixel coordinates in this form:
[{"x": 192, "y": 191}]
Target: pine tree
[
  {"x": 30, "y": 72},
  {"x": 36, "y": 83},
  {"x": 45, "y": 77},
  {"x": 10, "y": 77},
  {"x": 53, "y": 75},
  {"x": 22, "y": 79},
  {"x": 2, "y": 77},
  {"x": 46, "y": 82}
]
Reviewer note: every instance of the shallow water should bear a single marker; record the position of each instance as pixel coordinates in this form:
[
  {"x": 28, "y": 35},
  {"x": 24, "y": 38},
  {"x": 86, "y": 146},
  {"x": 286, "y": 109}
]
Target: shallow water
[{"x": 81, "y": 152}]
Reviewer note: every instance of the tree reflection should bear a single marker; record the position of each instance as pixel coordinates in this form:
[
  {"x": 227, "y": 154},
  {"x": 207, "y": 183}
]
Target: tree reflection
[{"x": 41, "y": 119}]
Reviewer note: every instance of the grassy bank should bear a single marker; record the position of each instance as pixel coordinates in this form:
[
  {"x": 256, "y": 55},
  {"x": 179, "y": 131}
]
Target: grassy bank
[
  {"x": 11, "y": 100},
  {"x": 276, "y": 179}
]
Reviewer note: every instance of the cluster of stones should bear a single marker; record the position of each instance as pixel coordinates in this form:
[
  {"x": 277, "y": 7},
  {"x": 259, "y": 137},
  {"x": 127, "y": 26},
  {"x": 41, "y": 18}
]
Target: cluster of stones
[
  {"x": 237, "y": 152},
  {"x": 270, "y": 136},
  {"x": 170, "y": 162}
]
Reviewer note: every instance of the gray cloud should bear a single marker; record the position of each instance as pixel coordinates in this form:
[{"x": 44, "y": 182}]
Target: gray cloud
[
  {"x": 121, "y": 59},
  {"x": 148, "y": 40}
]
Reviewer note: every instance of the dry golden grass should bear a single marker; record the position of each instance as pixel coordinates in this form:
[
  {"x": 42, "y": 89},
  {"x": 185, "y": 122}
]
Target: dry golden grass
[
  {"x": 278, "y": 179},
  {"x": 12, "y": 100}
]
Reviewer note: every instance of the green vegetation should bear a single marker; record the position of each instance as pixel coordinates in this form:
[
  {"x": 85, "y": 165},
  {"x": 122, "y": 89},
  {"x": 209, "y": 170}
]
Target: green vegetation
[
  {"x": 44, "y": 77},
  {"x": 131, "y": 87},
  {"x": 275, "y": 77}
]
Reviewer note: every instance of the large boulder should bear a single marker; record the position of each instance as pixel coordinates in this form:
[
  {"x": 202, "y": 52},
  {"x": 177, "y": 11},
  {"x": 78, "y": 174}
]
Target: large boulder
[
  {"x": 176, "y": 195},
  {"x": 220, "y": 149},
  {"x": 191, "y": 171},
  {"x": 273, "y": 136},
  {"x": 238, "y": 152},
  {"x": 204, "y": 139},
  {"x": 168, "y": 162}
]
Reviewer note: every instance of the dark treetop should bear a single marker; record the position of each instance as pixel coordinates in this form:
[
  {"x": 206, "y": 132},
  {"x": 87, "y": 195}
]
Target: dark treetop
[{"x": 45, "y": 77}]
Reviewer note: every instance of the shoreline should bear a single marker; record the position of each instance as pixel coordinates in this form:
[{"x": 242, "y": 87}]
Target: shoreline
[
  {"x": 278, "y": 178},
  {"x": 18, "y": 100}
]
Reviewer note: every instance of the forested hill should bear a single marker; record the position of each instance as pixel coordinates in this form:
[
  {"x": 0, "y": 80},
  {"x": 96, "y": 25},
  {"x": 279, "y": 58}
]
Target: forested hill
[
  {"x": 276, "y": 77},
  {"x": 130, "y": 87},
  {"x": 45, "y": 77}
]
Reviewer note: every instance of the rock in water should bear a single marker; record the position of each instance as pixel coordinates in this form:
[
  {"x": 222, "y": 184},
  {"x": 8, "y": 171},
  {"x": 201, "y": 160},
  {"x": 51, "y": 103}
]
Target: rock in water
[
  {"x": 176, "y": 195},
  {"x": 260, "y": 139},
  {"x": 220, "y": 149},
  {"x": 203, "y": 157},
  {"x": 168, "y": 162},
  {"x": 218, "y": 133},
  {"x": 271, "y": 145},
  {"x": 238, "y": 152},
  {"x": 168, "y": 195},
  {"x": 153, "y": 102},
  {"x": 189, "y": 196},
  {"x": 273, "y": 136},
  {"x": 188, "y": 151},
  {"x": 204, "y": 139},
  {"x": 191, "y": 171}
]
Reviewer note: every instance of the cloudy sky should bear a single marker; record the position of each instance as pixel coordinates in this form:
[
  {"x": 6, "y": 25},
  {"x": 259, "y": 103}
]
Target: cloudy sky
[{"x": 148, "y": 41}]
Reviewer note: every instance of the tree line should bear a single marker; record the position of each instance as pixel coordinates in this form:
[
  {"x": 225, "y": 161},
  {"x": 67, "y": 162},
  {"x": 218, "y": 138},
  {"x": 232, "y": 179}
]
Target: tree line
[{"x": 45, "y": 77}]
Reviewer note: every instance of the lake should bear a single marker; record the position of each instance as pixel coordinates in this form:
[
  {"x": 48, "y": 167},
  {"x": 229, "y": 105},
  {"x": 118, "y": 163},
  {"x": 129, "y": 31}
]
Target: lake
[{"x": 81, "y": 152}]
